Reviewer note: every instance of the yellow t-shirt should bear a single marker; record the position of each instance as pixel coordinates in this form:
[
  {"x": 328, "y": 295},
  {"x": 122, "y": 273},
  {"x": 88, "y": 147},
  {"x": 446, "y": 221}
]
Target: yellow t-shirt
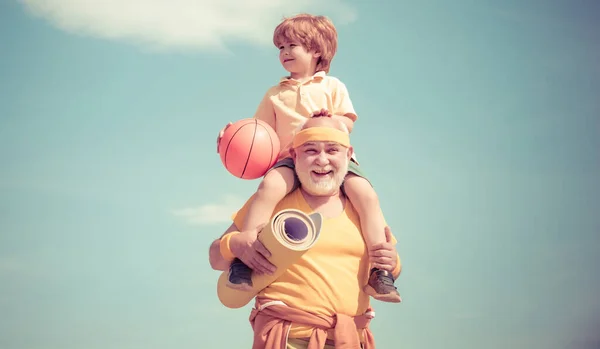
[
  {"x": 286, "y": 105},
  {"x": 328, "y": 278}
]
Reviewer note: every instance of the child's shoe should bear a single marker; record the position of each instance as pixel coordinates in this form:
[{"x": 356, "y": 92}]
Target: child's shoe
[{"x": 381, "y": 286}]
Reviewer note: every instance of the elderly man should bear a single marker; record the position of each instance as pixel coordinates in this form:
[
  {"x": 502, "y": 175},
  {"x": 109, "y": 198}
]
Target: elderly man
[{"x": 318, "y": 302}]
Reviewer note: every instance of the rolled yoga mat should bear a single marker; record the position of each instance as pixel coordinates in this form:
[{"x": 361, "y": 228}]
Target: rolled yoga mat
[{"x": 288, "y": 235}]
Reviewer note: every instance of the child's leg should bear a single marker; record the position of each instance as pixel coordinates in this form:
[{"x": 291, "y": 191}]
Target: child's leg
[
  {"x": 276, "y": 184},
  {"x": 365, "y": 201}
]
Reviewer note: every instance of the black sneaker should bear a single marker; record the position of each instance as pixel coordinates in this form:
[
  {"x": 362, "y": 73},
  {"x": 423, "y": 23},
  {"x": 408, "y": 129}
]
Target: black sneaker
[
  {"x": 381, "y": 286},
  {"x": 240, "y": 276}
]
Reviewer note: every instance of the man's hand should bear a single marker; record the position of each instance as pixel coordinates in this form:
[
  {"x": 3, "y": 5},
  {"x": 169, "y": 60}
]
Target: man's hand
[
  {"x": 252, "y": 252},
  {"x": 384, "y": 255},
  {"x": 221, "y": 135},
  {"x": 322, "y": 113}
]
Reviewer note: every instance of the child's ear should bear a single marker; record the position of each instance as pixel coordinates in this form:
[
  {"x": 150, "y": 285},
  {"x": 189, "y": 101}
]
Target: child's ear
[{"x": 316, "y": 54}]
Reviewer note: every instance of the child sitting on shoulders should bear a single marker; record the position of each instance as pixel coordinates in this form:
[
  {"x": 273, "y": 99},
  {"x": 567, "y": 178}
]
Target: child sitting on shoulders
[{"x": 307, "y": 45}]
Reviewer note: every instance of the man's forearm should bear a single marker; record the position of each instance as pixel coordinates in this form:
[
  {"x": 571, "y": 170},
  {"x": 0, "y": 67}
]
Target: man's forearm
[{"x": 215, "y": 258}]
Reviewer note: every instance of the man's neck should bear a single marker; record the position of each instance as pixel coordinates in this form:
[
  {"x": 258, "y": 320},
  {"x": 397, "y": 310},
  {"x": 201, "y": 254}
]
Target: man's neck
[{"x": 329, "y": 206}]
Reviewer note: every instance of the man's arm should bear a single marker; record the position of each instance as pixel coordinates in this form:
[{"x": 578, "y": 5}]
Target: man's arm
[
  {"x": 216, "y": 260},
  {"x": 385, "y": 256},
  {"x": 396, "y": 272}
]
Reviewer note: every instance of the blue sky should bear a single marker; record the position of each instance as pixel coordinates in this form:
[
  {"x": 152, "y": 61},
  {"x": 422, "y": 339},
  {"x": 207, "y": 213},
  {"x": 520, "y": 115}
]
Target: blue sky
[{"x": 479, "y": 127}]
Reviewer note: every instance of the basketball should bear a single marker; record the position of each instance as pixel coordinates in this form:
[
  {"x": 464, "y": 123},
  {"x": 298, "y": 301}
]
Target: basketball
[{"x": 249, "y": 148}]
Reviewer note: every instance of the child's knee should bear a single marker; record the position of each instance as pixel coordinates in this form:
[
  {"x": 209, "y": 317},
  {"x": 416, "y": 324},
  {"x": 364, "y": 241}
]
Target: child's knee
[
  {"x": 361, "y": 189},
  {"x": 269, "y": 183}
]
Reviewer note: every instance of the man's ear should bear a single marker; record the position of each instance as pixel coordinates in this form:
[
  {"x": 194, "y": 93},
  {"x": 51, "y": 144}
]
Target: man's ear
[
  {"x": 293, "y": 154},
  {"x": 350, "y": 152},
  {"x": 316, "y": 54}
]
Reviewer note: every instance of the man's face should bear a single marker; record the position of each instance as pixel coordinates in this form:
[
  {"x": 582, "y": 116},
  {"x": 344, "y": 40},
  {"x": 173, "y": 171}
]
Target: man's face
[{"x": 321, "y": 167}]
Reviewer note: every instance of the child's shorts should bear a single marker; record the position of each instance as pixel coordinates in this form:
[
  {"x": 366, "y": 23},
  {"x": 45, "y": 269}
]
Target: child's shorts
[{"x": 353, "y": 168}]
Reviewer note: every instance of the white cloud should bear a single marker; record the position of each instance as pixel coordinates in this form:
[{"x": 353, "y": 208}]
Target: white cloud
[
  {"x": 213, "y": 213},
  {"x": 204, "y": 24}
]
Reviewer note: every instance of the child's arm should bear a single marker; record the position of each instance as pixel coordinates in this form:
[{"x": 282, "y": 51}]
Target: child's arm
[
  {"x": 343, "y": 109},
  {"x": 346, "y": 119},
  {"x": 265, "y": 110}
]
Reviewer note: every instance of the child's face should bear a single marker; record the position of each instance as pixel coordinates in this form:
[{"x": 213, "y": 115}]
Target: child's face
[{"x": 296, "y": 59}]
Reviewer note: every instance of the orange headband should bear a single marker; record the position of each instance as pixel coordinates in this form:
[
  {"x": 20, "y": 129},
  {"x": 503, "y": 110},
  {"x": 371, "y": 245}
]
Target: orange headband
[{"x": 320, "y": 134}]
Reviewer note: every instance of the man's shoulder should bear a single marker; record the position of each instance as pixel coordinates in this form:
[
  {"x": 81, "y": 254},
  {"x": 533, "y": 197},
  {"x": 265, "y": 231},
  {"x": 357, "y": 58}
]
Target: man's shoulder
[{"x": 351, "y": 213}]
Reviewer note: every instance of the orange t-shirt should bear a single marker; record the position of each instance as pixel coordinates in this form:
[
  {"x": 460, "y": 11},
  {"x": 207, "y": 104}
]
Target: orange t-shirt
[{"x": 328, "y": 278}]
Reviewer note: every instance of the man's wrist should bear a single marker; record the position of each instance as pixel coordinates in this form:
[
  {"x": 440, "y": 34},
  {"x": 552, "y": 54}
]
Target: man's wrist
[
  {"x": 397, "y": 268},
  {"x": 225, "y": 246}
]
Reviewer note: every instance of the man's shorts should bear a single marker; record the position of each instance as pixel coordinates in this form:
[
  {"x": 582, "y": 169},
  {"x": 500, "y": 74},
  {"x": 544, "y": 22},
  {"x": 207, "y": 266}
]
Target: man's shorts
[
  {"x": 353, "y": 168},
  {"x": 293, "y": 343}
]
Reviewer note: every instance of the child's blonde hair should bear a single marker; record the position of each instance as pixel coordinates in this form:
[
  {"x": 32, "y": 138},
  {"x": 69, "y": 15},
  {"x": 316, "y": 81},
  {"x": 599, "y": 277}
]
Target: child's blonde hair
[{"x": 313, "y": 32}]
